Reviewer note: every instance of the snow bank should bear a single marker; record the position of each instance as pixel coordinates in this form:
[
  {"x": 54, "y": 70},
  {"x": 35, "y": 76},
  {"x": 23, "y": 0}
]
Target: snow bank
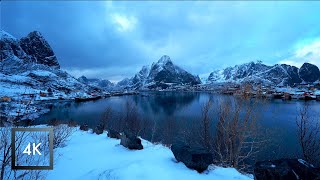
[{"x": 90, "y": 156}]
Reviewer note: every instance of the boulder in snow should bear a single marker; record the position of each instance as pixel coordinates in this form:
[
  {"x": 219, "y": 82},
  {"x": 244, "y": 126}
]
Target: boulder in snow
[
  {"x": 99, "y": 129},
  {"x": 113, "y": 134},
  {"x": 194, "y": 158},
  {"x": 131, "y": 141},
  {"x": 290, "y": 169},
  {"x": 84, "y": 127}
]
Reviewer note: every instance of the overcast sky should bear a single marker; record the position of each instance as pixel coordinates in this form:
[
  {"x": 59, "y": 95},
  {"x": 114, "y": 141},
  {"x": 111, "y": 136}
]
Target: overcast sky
[{"x": 112, "y": 40}]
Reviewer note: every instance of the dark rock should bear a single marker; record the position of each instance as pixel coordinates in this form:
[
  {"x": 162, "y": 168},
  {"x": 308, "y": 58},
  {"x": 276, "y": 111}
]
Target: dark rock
[
  {"x": 84, "y": 127},
  {"x": 39, "y": 49},
  {"x": 99, "y": 129},
  {"x": 309, "y": 72},
  {"x": 131, "y": 141},
  {"x": 194, "y": 158},
  {"x": 285, "y": 169},
  {"x": 113, "y": 134}
]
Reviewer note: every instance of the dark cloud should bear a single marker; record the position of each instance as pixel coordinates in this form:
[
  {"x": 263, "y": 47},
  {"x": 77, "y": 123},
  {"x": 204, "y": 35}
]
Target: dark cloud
[{"x": 114, "y": 39}]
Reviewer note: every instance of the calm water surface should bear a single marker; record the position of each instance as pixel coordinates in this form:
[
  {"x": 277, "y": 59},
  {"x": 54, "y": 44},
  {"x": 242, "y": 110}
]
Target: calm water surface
[{"x": 276, "y": 117}]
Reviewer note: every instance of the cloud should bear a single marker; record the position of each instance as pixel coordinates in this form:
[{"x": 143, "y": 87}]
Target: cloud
[
  {"x": 124, "y": 23},
  {"x": 306, "y": 52},
  {"x": 113, "y": 39},
  {"x": 114, "y": 74}
]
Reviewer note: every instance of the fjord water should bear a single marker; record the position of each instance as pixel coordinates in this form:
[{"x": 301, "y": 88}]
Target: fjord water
[{"x": 276, "y": 118}]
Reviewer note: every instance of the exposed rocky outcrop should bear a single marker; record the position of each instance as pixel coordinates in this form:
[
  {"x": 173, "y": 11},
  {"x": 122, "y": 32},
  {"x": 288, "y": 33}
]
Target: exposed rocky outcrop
[
  {"x": 10, "y": 47},
  {"x": 131, "y": 141},
  {"x": 194, "y": 158},
  {"x": 39, "y": 49},
  {"x": 140, "y": 78},
  {"x": 285, "y": 169},
  {"x": 309, "y": 72}
]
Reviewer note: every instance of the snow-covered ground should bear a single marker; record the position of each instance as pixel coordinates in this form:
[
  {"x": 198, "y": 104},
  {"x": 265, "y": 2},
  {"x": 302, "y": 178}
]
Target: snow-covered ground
[{"x": 91, "y": 156}]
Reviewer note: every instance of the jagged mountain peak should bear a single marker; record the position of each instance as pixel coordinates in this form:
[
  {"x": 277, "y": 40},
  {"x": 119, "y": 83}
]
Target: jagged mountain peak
[
  {"x": 39, "y": 50},
  {"x": 163, "y": 63},
  {"x": 162, "y": 74},
  {"x": 83, "y": 79},
  {"x": 34, "y": 33},
  {"x": 29, "y": 63},
  {"x": 164, "y": 60}
]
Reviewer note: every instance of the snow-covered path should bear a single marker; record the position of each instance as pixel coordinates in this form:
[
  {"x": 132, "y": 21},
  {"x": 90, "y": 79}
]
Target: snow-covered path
[{"x": 91, "y": 156}]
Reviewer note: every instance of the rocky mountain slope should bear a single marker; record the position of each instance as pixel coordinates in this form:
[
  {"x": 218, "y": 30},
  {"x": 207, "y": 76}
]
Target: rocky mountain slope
[
  {"x": 309, "y": 72},
  {"x": 257, "y": 72},
  {"x": 161, "y": 74},
  {"x": 29, "y": 65},
  {"x": 95, "y": 82}
]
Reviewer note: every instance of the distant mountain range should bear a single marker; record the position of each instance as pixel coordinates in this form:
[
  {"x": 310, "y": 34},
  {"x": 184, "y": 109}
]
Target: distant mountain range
[
  {"x": 279, "y": 74},
  {"x": 95, "y": 82},
  {"x": 30, "y": 63}
]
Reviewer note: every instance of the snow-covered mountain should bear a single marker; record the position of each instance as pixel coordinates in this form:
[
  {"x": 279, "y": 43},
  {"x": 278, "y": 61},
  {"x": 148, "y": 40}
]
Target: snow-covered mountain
[
  {"x": 309, "y": 72},
  {"x": 161, "y": 74},
  {"x": 140, "y": 78},
  {"x": 29, "y": 65},
  {"x": 257, "y": 72},
  {"x": 95, "y": 82}
]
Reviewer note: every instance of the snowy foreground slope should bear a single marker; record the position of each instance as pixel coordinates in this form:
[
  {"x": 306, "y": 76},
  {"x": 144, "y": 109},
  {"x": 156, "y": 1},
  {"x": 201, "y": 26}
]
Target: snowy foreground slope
[{"x": 91, "y": 156}]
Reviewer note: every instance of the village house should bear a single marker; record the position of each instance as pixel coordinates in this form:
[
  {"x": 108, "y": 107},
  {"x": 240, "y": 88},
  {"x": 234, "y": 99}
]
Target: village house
[
  {"x": 5, "y": 99},
  {"x": 42, "y": 94}
]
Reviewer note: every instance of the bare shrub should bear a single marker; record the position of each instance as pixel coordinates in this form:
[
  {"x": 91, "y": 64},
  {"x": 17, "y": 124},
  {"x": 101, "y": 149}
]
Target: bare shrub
[
  {"x": 206, "y": 120},
  {"x": 169, "y": 127},
  {"x": 148, "y": 129},
  {"x": 106, "y": 118},
  {"x": 309, "y": 135},
  {"x": 5, "y": 155},
  {"x": 131, "y": 118},
  {"x": 5, "y": 149},
  {"x": 237, "y": 139},
  {"x": 54, "y": 122},
  {"x": 61, "y": 134},
  {"x": 72, "y": 123}
]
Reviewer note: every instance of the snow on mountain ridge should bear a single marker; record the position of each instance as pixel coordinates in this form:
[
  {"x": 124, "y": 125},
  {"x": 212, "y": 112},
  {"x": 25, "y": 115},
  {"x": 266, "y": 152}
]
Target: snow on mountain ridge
[
  {"x": 33, "y": 58},
  {"x": 160, "y": 74},
  {"x": 4, "y": 34},
  {"x": 279, "y": 74}
]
